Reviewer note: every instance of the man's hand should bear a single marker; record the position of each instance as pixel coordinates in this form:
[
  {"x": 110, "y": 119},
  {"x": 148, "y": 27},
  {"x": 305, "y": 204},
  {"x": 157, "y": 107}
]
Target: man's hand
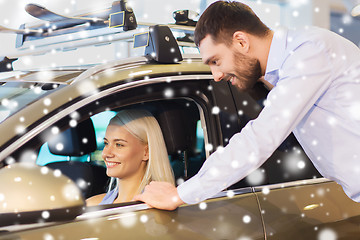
[{"x": 162, "y": 195}]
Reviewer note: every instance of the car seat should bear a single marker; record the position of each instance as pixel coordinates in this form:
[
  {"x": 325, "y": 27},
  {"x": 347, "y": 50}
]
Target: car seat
[
  {"x": 178, "y": 124},
  {"x": 79, "y": 141}
]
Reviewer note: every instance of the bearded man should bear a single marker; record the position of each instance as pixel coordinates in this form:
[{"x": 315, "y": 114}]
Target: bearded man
[{"x": 314, "y": 77}]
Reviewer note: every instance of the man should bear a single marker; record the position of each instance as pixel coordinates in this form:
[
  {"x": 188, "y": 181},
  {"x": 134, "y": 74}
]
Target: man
[{"x": 315, "y": 75}]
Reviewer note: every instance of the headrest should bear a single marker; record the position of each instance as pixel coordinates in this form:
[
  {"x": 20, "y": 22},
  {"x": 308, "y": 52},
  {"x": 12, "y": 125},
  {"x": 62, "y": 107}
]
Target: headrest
[
  {"x": 75, "y": 141},
  {"x": 90, "y": 178},
  {"x": 177, "y": 121},
  {"x": 178, "y": 127}
]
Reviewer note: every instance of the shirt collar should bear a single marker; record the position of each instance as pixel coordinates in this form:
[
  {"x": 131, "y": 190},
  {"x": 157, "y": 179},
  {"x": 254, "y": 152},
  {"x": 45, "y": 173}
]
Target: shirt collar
[{"x": 277, "y": 50}]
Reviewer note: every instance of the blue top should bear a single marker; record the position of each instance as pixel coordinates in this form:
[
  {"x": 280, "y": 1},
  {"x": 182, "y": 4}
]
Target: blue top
[{"x": 110, "y": 197}]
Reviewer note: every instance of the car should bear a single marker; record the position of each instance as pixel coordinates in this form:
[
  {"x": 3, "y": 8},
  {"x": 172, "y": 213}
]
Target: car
[{"x": 53, "y": 122}]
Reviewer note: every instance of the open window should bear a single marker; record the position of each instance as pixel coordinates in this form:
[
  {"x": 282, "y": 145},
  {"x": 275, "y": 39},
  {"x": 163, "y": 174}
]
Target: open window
[{"x": 74, "y": 143}]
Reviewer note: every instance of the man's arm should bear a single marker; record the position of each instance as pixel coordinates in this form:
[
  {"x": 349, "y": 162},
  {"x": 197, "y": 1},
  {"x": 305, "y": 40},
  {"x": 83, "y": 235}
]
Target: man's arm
[{"x": 304, "y": 77}]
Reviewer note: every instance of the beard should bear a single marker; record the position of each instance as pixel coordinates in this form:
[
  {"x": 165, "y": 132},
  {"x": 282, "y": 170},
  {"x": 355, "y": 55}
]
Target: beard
[{"x": 247, "y": 71}]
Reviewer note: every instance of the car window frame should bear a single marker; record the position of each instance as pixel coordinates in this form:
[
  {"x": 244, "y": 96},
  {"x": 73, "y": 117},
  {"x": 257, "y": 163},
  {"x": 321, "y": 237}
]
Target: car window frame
[{"x": 50, "y": 119}]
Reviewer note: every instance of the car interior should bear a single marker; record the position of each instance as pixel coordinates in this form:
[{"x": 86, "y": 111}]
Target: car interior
[{"x": 79, "y": 156}]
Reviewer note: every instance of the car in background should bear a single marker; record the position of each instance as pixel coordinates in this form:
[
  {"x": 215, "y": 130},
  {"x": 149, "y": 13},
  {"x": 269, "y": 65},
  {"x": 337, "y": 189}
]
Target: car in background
[{"x": 56, "y": 118}]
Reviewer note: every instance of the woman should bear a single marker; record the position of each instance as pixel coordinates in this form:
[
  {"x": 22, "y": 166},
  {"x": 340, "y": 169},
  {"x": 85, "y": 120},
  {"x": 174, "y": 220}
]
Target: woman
[{"x": 135, "y": 154}]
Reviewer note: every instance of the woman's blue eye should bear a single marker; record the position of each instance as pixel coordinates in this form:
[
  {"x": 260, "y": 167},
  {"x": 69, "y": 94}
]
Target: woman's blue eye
[{"x": 119, "y": 145}]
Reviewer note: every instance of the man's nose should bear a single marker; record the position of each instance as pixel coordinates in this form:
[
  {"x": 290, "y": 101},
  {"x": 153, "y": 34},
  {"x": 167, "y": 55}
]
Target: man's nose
[{"x": 217, "y": 74}]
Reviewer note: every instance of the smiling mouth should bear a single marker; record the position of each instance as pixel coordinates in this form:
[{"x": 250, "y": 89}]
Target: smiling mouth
[
  {"x": 111, "y": 164},
  {"x": 230, "y": 78}
]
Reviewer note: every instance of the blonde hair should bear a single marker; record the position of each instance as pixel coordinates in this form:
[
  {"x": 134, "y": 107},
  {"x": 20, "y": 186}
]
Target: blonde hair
[{"x": 143, "y": 125}]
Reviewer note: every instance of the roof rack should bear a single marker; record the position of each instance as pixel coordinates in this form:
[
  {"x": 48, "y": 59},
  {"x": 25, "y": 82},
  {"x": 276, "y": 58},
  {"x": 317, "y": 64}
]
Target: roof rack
[
  {"x": 52, "y": 23},
  {"x": 95, "y": 37},
  {"x": 56, "y": 32}
]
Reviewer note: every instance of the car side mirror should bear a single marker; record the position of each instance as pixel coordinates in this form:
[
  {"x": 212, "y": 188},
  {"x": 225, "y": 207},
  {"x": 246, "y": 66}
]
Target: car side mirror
[{"x": 33, "y": 194}]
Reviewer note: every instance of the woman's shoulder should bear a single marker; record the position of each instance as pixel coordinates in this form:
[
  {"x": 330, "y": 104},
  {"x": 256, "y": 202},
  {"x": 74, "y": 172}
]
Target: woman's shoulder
[{"x": 95, "y": 200}]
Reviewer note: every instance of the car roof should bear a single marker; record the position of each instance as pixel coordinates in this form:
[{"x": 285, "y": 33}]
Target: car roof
[{"x": 58, "y": 76}]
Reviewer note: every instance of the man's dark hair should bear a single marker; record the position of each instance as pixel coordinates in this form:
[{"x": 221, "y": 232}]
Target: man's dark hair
[{"x": 222, "y": 18}]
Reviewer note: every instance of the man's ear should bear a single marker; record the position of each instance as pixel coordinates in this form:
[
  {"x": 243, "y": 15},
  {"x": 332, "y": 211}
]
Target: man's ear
[
  {"x": 146, "y": 153},
  {"x": 241, "y": 41}
]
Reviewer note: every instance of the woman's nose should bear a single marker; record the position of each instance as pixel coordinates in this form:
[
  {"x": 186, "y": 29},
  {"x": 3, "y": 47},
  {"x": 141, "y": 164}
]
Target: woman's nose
[{"x": 107, "y": 152}]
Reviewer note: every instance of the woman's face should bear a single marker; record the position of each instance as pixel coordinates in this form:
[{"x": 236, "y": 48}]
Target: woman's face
[{"x": 124, "y": 154}]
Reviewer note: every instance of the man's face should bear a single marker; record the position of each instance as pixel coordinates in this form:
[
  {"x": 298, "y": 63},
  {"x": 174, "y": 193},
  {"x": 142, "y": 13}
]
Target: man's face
[{"x": 227, "y": 63}]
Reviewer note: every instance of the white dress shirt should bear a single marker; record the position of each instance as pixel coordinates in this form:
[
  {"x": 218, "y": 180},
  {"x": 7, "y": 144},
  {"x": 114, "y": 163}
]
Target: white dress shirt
[{"x": 316, "y": 74}]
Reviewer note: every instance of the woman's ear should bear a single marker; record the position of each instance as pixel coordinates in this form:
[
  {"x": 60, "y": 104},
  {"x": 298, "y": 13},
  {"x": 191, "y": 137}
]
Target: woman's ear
[
  {"x": 146, "y": 153},
  {"x": 241, "y": 41}
]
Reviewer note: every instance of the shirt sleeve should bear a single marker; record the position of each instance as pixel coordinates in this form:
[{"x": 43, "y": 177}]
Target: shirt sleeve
[{"x": 303, "y": 77}]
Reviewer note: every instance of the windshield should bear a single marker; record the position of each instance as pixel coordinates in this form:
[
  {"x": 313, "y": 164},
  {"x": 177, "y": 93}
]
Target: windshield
[{"x": 20, "y": 89}]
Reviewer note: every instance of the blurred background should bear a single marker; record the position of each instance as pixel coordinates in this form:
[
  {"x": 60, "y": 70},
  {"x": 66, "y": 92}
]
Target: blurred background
[{"x": 335, "y": 15}]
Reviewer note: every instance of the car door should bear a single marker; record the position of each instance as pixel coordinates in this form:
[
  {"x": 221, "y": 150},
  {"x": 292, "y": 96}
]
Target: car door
[
  {"x": 311, "y": 209},
  {"x": 231, "y": 215}
]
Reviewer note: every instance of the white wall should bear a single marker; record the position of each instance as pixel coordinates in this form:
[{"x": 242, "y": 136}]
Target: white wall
[{"x": 298, "y": 13}]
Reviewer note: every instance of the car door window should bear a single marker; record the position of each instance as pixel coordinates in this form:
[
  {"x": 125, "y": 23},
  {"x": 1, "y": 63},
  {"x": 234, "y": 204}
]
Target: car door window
[{"x": 185, "y": 138}]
